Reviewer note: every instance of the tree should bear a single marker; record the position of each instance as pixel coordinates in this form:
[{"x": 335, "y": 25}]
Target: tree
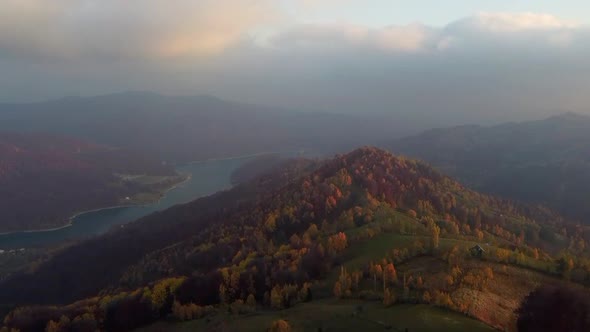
[
  {"x": 295, "y": 241},
  {"x": 279, "y": 326},
  {"x": 52, "y": 326},
  {"x": 223, "y": 294},
  {"x": 426, "y": 297},
  {"x": 337, "y": 242},
  {"x": 251, "y": 301},
  {"x": 419, "y": 282},
  {"x": 390, "y": 274},
  {"x": 388, "y": 297},
  {"x": 276, "y": 299},
  {"x": 434, "y": 234},
  {"x": 338, "y": 289},
  {"x": 555, "y": 308}
]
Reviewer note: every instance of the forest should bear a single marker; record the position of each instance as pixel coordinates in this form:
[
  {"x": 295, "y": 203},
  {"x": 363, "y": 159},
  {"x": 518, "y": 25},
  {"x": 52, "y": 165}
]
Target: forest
[
  {"x": 366, "y": 226},
  {"x": 541, "y": 162},
  {"x": 60, "y": 176}
]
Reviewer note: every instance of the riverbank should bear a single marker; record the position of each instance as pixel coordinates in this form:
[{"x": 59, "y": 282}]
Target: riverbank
[
  {"x": 207, "y": 178},
  {"x": 70, "y": 222},
  {"x": 203, "y": 177}
]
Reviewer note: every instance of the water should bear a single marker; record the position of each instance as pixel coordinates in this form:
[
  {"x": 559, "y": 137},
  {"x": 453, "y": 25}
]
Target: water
[{"x": 207, "y": 178}]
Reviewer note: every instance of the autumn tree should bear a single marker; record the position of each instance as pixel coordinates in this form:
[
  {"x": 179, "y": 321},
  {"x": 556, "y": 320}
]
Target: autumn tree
[
  {"x": 337, "y": 242},
  {"x": 388, "y": 297},
  {"x": 276, "y": 298},
  {"x": 426, "y": 297},
  {"x": 251, "y": 301},
  {"x": 279, "y": 326},
  {"x": 338, "y": 289},
  {"x": 434, "y": 234},
  {"x": 390, "y": 273},
  {"x": 54, "y": 326},
  {"x": 419, "y": 282}
]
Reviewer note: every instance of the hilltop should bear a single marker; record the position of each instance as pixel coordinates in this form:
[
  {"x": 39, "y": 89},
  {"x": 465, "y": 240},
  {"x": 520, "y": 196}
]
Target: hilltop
[{"x": 367, "y": 227}]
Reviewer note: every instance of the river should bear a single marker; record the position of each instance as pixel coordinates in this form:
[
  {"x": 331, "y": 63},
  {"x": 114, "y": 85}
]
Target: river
[{"x": 207, "y": 177}]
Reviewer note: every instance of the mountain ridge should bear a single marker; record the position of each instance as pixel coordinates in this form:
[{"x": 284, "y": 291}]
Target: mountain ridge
[
  {"x": 526, "y": 161},
  {"x": 277, "y": 238}
]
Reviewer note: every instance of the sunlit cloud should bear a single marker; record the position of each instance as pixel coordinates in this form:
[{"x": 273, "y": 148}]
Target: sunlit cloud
[
  {"x": 475, "y": 31},
  {"x": 131, "y": 28},
  {"x": 506, "y": 22},
  {"x": 341, "y": 36}
]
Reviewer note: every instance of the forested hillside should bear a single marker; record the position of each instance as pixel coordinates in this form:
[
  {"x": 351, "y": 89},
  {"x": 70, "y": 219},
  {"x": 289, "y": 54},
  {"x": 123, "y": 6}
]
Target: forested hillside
[
  {"x": 546, "y": 161},
  {"x": 44, "y": 179},
  {"x": 366, "y": 226}
]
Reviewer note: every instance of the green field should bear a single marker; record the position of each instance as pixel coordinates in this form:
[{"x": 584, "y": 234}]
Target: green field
[{"x": 334, "y": 315}]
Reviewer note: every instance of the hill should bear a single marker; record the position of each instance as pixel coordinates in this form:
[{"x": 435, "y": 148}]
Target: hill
[
  {"x": 366, "y": 227},
  {"x": 189, "y": 128},
  {"x": 60, "y": 176},
  {"x": 544, "y": 162}
]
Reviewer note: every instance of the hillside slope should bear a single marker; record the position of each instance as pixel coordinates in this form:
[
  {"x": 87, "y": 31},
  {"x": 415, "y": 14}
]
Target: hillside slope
[
  {"x": 544, "y": 162},
  {"x": 60, "y": 176},
  {"x": 396, "y": 229}
]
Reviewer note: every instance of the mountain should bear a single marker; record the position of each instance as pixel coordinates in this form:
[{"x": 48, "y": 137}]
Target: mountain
[
  {"x": 45, "y": 178},
  {"x": 181, "y": 129},
  {"x": 367, "y": 226},
  {"x": 546, "y": 161}
]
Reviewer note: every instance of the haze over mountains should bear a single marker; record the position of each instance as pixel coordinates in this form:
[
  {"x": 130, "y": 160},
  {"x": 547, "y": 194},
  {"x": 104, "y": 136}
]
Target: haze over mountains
[
  {"x": 45, "y": 179},
  {"x": 545, "y": 161},
  {"x": 181, "y": 129}
]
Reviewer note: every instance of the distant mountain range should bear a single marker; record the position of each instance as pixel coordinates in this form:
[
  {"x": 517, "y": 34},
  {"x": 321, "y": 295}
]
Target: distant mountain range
[
  {"x": 546, "y": 161},
  {"x": 180, "y": 129}
]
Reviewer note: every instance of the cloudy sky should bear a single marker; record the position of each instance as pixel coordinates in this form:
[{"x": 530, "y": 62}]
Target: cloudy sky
[{"x": 453, "y": 61}]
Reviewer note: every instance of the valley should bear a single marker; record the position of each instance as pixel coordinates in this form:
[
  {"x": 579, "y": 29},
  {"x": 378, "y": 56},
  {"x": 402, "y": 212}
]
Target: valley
[
  {"x": 294, "y": 166},
  {"x": 45, "y": 179},
  {"x": 366, "y": 236},
  {"x": 198, "y": 179}
]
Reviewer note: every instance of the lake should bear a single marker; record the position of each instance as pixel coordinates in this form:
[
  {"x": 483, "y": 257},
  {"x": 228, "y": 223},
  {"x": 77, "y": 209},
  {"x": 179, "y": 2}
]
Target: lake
[{"x": 207, "y": 177}]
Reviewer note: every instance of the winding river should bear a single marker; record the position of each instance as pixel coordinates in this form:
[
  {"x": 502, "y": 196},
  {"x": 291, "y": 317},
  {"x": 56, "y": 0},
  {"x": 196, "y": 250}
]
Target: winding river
[{"x": 207, "y": 177}]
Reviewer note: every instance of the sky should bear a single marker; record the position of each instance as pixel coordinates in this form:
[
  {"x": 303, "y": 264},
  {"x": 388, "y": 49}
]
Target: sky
[{"x": 453, "y": 61}]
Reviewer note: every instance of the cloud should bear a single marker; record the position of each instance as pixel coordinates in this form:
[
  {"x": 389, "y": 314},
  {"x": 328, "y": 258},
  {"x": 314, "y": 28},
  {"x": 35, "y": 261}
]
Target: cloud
[
  {"x": 162, "y": 29},
  {"x": 126, "y": 29},
  {"x": 497, "y": 67},
  {"x": 492, "y": 66},
  {"x": 344, "y": 36},
  {"x": 510, "y": 22},
  {"x": 481, "y": 31}
]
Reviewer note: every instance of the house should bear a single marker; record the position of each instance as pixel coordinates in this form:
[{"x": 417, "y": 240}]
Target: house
[{"x": 477, "y": 251}]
